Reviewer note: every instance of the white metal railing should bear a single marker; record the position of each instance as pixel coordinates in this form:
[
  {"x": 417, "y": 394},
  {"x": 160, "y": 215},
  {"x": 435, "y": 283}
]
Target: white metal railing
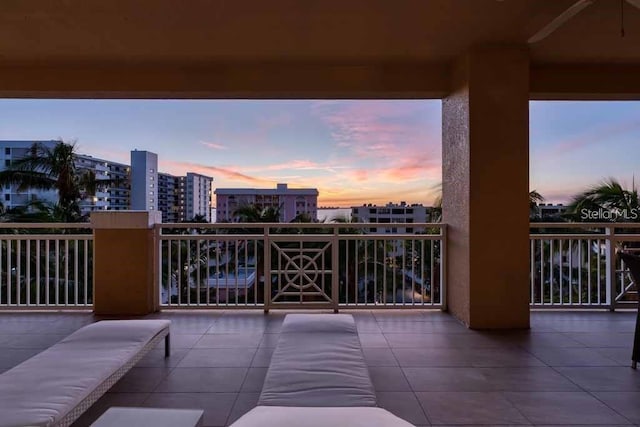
[
  {"x": 572, "y": 265},
  {"x": 46, "y": 265},
  {"x": 302, "y": 264},
  {"x": 575, "y": 264}
]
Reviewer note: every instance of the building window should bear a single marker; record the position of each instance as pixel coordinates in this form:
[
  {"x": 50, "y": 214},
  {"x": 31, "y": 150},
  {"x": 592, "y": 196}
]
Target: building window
[
  {"x": 151, "y": 193},
  {"x": 7, "y": 197},
  {"x": 7, "y": 151},
  {"x": 7, "y": 162}
]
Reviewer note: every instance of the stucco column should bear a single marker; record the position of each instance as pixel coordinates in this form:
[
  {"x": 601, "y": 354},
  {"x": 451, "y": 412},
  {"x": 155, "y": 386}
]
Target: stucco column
[
  {"x": 125, "y": 262},
  {"x": 485, "y": 188}
]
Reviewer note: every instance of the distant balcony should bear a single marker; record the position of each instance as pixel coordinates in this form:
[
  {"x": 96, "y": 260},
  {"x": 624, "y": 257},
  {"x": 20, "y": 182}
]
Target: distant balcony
[{"x": 330, "y": 266}]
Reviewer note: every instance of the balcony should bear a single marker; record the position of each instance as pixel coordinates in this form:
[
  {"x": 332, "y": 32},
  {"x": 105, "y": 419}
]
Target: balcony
[{"x": 570, "y": 368}]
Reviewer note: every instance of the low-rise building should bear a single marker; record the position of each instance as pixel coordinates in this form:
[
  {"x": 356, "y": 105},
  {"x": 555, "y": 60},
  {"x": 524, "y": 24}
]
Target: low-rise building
[
  {"x": 550, "y": 211},
  {"x": 390, "y": 214},
  {"x": 291, "y": 202}
]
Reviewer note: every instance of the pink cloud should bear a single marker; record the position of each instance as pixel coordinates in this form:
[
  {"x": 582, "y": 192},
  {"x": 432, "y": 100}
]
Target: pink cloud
[{"x": 396, "y": 140}]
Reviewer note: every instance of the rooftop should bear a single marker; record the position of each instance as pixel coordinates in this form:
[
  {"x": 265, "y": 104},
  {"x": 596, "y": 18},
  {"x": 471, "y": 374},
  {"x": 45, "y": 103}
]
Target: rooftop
[{"x": 570, "y": 368}]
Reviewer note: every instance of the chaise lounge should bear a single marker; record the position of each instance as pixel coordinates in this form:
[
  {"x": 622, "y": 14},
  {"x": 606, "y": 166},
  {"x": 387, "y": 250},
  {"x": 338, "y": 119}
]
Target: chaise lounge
[
  {"x": 318, "y": 377},
  {"x": 55, "y": 387}
]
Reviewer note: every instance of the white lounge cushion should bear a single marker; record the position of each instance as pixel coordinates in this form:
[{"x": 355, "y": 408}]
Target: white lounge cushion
[
  {"x": 310, "y": 323},
  {"x": 318, "y": 362},
  {"x": 43, "y": 389},
  {"x": 281, "y": 416}
]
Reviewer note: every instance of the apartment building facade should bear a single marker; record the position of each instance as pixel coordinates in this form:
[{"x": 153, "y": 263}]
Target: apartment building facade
[
  {"x": 112, "y": 195},
  {"x": 137, "y": 187},
  {"x": 144, "y": 180},
  {"x": 292, "y": 202},
  {"x": 196, "y": 196},
  {"x": 170, "y": 197},
  {"x": 114, "y": 192},
  {"x": 391, "y": 214}
]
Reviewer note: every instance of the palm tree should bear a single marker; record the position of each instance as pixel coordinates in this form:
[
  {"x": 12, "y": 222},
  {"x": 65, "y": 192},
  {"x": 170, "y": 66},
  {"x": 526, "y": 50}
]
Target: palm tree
[
  {"x": 534, "y": 199},
  {"x": 45, "y": 168},
  {"x": 256, "y": 213},
  {"x": 608, "y": 196}
]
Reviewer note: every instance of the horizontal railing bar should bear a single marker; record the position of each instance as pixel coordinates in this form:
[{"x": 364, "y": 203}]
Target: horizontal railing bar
[
  {"x": 299, "y": 237},
  {"x": 620, "y": 237},
  {"x": 61, "y": 237},
  {"x": 223, "y": 237},
  {"x": 223, "y": 225},
  {"x": 54, "y": 225},
  {"x": 568, "y": 237},
  {"x": 584, "y": 225},
  {"x": 46, "y": 308}
]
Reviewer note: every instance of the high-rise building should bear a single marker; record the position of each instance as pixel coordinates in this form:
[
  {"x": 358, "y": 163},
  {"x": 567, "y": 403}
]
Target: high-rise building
[
  {"x": 170, "y": 197},
  {"x": 197, "y": 196},
  {"x": 391, "y": 214},
  {"x": 144, "y": 180},
  {"x": 292, "y": 202},
  {"x": 112, "y": 188},
  {"x": 119, "y": 186}
]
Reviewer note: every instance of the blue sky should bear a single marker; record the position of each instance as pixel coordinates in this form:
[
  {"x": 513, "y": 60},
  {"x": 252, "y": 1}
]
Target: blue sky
[{"x": 352, "y": 151}]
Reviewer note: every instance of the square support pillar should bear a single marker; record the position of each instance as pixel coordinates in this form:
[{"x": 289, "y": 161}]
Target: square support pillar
[
  {"x": 486, "y": 186},
  {"x": 125, "y": 265}
]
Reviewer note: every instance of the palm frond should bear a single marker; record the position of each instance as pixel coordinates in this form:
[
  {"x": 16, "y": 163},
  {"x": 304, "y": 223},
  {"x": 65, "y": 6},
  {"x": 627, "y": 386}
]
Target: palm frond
[{"x": 26, "y": 179}]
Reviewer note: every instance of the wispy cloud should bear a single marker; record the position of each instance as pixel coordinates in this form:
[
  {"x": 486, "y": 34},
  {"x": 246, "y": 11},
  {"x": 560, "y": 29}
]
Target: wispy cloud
[
  {"x": 213, "y": 145},
  {"x": 177, "y": 167},
  {"x": 378, "y": 129},
  {"x": 305, "y": 165},
  {"x": 280, "y": 119},
  {"x": 597, "y": 135}
]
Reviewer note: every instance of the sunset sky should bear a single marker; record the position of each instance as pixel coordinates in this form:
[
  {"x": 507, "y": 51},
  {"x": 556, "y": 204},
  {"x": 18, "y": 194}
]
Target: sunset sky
[{"x": 352, "y": 151}]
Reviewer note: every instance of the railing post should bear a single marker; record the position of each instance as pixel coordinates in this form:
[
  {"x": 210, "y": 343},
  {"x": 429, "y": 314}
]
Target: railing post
[
  {"x": 443, "y": 266},
  {"x": 125, "y": 263},
  {"x": 267, "y": 270},
  {"x": 335, "y": 282},
  {"x": 610, "y": 247}
]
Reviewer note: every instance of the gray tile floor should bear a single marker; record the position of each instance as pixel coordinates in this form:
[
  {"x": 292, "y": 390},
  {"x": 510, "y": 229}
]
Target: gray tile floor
[{"x": 571, "y": 368}]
